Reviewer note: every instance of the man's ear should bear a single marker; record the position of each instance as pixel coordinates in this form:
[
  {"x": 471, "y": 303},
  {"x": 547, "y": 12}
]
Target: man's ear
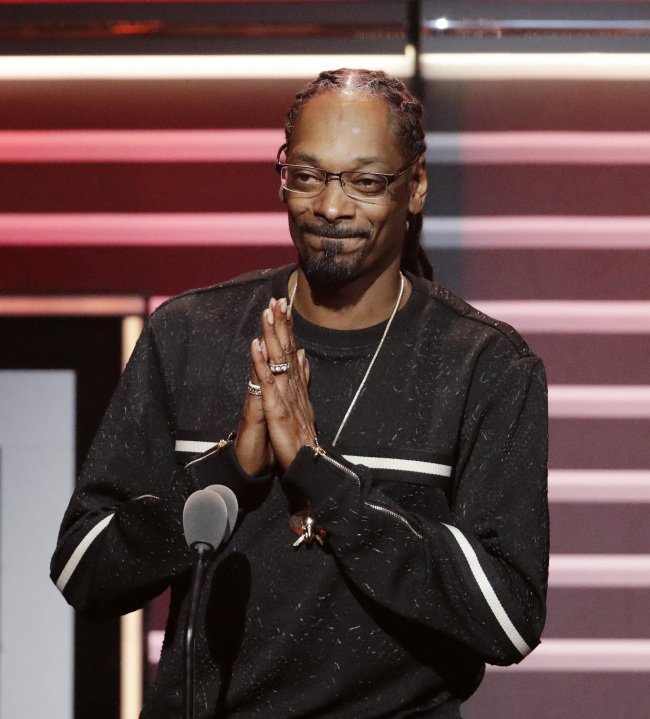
[
  {"x": 282, "y": 195},
  {"x": 420, "y": 184}
]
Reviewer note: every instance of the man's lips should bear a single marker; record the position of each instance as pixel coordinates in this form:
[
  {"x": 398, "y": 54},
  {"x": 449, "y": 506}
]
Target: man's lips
[
  {"x": 340, "y": 246},
  {"x": 333, "y": 232}
]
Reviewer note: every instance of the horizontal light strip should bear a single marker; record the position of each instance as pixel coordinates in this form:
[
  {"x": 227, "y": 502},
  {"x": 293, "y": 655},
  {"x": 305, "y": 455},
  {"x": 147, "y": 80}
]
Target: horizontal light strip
[
  {"x": 438, "y": 66},
  {"x": 567, "y": 316},
  {"x": 270, "y": 228},
  {"x": 585, "y": 655},
  {"x": 59, "y": 305},
  {"x": 261, "y": 145},
  {"x": 599, "y": 570},
  {"x": 536, "y": 66},
  {"x": 537, "y": 232},
  {"x": 533, "y": 24},
  {"x": 153, "y": 229},
  {"x": 599, "y": 401},
  {"x": 193, "y": 67},
  {"x": 140, "y": 145},
  {"x": 561, "y": 148},
  {"x": 599, "y": 485}
]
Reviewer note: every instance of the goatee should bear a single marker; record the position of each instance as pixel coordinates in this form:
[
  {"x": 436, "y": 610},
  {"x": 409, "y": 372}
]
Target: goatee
[{"x": 329, "y": 267}]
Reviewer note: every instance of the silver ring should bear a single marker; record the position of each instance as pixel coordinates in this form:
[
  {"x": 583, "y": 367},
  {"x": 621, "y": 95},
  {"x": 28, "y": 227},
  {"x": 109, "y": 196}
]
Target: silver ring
[
  {"x": 254, "y": 389},
  {"x": 280, "y": 368}
]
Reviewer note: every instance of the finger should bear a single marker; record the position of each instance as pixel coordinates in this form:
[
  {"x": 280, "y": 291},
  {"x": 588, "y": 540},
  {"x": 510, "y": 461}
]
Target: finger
[
  {"x": 265, "y": 351},
  {"x": 284, "y": 332},
  {"x": 307, "y": 370},
  {"x": 265, "y": 377},
  {"x": 253, "y": 410},
  {"x": 271, "y": 340},
  {"x": 303, "y": 365},
  {"x": 251, "y": 444}
]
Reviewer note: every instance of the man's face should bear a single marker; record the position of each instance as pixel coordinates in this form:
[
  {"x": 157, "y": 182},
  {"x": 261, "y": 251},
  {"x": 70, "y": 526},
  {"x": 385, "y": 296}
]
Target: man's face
[{"x": 339, "y": 238}]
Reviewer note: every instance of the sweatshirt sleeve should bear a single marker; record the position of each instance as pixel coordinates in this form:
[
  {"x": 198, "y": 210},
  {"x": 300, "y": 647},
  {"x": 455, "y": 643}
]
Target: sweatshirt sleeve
[
  {"x": 121, "y": 541},
  {"x": 479, "y": 576}
]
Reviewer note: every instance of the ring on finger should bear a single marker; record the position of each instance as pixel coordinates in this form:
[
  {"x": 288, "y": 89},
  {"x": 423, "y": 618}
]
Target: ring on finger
[
  {"x": 254, "y": 389},
  {"x": 280, "y": 367}
]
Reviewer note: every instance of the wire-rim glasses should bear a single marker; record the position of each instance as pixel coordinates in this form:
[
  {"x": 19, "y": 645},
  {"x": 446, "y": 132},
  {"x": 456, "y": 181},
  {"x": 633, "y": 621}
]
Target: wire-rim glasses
[{"x": 308, "y": 181}]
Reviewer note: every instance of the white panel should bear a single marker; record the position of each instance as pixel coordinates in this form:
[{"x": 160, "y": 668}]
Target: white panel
[{"x": 37, "y": 441}]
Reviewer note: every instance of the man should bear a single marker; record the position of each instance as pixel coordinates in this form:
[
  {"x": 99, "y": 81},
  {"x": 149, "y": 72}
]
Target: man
[{"x": 390, "y": 458}]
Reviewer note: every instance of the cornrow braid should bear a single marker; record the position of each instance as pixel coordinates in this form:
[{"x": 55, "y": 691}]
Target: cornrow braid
[{"x": 407, "y": 114}]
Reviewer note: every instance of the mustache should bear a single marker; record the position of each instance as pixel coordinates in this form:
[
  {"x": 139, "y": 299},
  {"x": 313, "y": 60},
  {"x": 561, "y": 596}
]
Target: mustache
[{"x": 334, "y": 232}]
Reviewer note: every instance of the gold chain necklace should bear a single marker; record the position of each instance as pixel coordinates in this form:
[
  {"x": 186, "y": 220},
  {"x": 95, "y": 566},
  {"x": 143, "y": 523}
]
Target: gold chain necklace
[{"x": 374, "y": 357}]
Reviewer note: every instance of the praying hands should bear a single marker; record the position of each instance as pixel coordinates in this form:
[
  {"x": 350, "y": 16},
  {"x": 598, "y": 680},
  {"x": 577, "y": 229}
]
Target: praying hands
[{"x": 278, "y": 419}]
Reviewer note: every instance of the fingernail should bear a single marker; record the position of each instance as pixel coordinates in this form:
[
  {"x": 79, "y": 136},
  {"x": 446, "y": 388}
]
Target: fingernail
[
  {"x": 283, "y": 305},
  {"x": 269, "y": 316},
  {"x": 272, "y": 303}
]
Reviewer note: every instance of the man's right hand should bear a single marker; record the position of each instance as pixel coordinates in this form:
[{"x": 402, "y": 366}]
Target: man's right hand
[{"x": 252, "y": 444}]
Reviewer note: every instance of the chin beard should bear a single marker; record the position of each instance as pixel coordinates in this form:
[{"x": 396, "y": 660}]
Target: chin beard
[{"x": 328, "y": 268}]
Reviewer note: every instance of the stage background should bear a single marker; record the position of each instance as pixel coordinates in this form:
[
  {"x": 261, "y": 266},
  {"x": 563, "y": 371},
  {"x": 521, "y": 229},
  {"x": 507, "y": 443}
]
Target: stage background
[{"x": 136, "y": 157}]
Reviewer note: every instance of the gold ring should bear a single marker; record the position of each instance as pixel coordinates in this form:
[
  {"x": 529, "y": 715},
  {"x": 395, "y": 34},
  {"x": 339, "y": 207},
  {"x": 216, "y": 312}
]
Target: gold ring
[{"x": 254, "y": 389}]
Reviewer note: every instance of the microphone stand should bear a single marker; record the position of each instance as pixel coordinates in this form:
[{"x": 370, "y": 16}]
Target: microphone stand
[{"x": 203, "y": 552}]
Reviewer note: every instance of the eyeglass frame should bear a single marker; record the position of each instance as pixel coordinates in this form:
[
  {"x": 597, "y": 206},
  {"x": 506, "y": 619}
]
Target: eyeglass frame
[{"x": 390, "y": 177}]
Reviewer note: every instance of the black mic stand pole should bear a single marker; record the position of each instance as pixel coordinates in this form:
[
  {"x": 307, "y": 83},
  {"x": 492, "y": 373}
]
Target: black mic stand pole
[{"x": 203, "y": 551}]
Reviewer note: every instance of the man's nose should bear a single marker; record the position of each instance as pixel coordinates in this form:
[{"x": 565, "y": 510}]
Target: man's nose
[{"x": 332, "y": 202}]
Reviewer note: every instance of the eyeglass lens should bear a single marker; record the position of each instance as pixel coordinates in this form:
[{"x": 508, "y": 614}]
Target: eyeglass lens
[{"x": 310, "y": 182}]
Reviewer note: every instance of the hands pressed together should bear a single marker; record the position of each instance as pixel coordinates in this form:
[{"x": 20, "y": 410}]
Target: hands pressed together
[{"x": 277, "y": 423}]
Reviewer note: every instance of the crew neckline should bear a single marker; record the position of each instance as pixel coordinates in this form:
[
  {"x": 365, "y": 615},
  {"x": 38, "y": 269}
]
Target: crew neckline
[{"x": 308, "y": 332}]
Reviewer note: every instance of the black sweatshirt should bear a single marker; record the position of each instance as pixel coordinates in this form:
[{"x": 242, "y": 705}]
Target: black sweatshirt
[{"x": 433, "y": 502}]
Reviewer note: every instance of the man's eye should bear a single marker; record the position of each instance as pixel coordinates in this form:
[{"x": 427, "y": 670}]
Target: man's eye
[
  {"x": 367, "y": 183},
  {"x": 305, "y": 177}
]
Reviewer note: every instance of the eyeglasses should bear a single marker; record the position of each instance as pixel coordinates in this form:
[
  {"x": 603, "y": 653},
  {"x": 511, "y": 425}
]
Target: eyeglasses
[{"x": 310, "y": 181}]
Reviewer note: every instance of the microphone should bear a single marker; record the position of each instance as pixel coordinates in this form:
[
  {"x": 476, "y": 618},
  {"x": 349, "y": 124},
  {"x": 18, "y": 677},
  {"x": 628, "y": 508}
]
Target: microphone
[
  {"x": 230, "y": 498},
  {"x": 205, "y": 520}
]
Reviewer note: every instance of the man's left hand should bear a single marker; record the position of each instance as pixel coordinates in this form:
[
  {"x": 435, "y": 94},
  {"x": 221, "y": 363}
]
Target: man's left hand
[{"x": 285, "y": 396}]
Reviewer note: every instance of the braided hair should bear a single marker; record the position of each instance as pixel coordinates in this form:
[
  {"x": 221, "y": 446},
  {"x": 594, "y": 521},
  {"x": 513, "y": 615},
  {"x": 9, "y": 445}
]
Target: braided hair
[{"x": 407, "y": 114}]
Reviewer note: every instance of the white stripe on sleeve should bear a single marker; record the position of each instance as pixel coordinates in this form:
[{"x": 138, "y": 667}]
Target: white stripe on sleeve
[
  {"x": 488, "y": 592},
  {"x": 193, "y": 446},
  {"x": 79, "y": 552},
  {"x": 408, "y": 465}
]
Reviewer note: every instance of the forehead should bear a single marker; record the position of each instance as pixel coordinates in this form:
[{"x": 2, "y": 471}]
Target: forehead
[{"x": 338, "y": 129}]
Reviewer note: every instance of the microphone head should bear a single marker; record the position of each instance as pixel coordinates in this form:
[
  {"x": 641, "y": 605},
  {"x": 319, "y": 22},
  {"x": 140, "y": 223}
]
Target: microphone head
[
  {"x": 205, "y": 518},
  {"x": 232, "y": 505}
]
